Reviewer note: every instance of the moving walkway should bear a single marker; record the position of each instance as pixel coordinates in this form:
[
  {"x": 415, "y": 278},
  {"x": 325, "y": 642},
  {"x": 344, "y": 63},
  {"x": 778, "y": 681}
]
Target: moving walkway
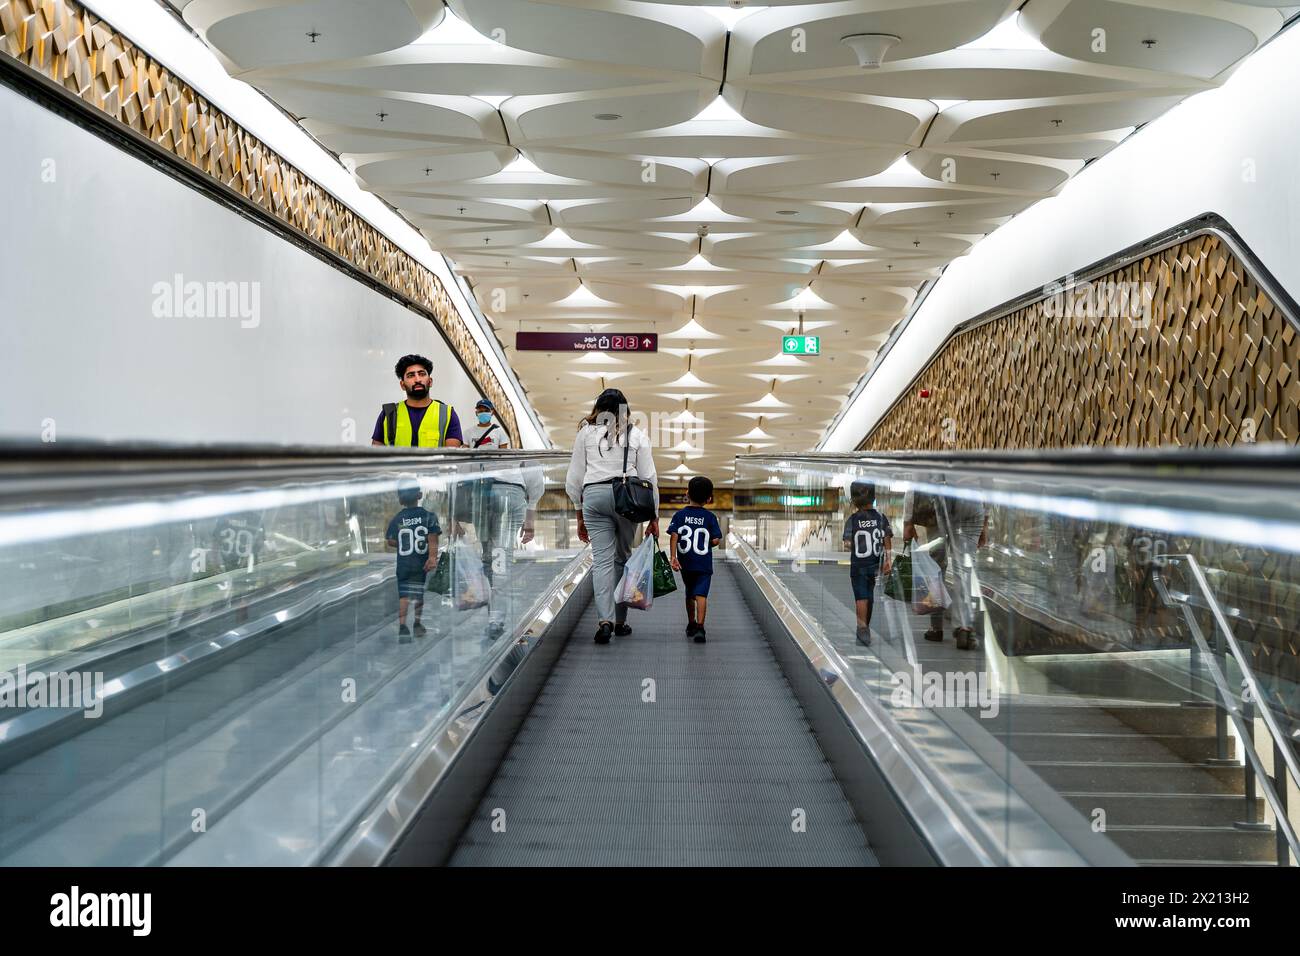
[{"x": 255, "y": 706}]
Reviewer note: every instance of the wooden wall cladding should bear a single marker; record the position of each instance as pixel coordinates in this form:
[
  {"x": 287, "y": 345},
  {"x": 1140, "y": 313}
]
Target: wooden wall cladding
[
  {"x": 90, "y": 60},
  {"x": 1211, "y": 361}
]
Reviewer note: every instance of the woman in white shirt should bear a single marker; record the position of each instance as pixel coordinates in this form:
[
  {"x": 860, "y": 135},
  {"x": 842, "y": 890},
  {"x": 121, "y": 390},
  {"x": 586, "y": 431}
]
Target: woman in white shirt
[{"x": 597, "y": 462}]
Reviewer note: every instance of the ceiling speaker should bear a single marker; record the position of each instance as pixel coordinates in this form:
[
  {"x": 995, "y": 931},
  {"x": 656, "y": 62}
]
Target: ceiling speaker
[{"x": 870, "y": 48}]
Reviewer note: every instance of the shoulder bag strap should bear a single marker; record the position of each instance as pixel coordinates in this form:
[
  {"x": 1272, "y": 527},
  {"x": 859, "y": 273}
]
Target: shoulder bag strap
[{"x": 390, "y": 423}]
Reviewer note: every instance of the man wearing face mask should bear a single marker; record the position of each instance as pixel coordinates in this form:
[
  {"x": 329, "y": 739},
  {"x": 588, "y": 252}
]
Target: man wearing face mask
[
  {"x": 487, "y": 433},
  {"x": 420, "y": 421}
]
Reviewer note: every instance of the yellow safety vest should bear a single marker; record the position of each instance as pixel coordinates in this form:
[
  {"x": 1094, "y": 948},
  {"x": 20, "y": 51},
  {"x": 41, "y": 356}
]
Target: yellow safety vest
[{"x": 433, "y": 427}]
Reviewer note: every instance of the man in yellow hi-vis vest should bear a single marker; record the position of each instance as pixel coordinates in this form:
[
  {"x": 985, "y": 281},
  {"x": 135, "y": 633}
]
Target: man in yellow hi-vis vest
[{"x": 420, "y": 421}]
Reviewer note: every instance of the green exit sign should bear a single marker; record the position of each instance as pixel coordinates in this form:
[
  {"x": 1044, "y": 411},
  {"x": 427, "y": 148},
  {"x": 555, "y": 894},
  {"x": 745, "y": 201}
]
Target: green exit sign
[{"x": 801, "y": 344}]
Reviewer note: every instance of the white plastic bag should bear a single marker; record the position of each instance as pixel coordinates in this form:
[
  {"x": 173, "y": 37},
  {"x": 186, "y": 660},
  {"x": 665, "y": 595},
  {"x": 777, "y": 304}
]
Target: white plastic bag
[
  {"x": 469, "y": 584},
  {"x": 928, "y": 592},
  {"x": 637, "y": 586}
]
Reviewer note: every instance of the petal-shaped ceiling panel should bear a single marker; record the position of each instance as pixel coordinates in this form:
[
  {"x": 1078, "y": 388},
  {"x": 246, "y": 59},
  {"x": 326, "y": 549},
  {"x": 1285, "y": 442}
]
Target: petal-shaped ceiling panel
[
  {"x": 788, "y": 39},
  {"x": 260, "y": 33},
  {"x": 1150, "y": 36},
  {"x": 848, "y": 116},
  {"x": 691, "y": 42}
]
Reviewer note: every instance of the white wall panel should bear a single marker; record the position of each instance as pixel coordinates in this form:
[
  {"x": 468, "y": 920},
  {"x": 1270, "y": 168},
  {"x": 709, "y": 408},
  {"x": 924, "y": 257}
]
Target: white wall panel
[{"x": 84, "y": 348}]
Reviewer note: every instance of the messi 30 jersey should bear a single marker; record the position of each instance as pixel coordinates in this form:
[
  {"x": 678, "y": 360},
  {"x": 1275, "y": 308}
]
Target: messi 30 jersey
[
  {"x": 866, "y": 532},
  {"x": 695, "y": 529},
  {"x": 411, "y": 528}
]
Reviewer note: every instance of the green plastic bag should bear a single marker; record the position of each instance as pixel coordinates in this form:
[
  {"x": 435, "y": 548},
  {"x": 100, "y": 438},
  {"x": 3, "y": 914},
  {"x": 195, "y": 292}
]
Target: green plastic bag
[
  {"x": 440, "y": 580},
  {"x": 665, "y": 583},
  {"x": 899, "y": 584}
]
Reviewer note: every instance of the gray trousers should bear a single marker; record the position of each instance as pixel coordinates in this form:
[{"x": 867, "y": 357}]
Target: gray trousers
[
  {"x": 961, "y": 581},
  {"x": 611, "y": 543},
  {"x": 500, "y": 536}
]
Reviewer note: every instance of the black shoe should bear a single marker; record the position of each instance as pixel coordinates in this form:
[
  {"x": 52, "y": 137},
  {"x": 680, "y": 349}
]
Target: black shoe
[
  {"x": 691, "y": 627},
  {"x": 934, "y": 635},
  {"x": 699, "y": 634},
  {"x": 622, "y": 630},
  {"x": 604, "y": 632},
  {"x": 864, "y": 636},
  {"x": 495, "y": 630},
  {"x": 419, "y": 629},
  {"x": 961, "y": 636},
  {"x": 403, "y": 634}
]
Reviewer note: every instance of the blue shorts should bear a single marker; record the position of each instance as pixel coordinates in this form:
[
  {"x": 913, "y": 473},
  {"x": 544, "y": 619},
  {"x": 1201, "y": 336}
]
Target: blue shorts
[
  {"x": 411, "y": 585},
  {"x": 697, "y": 582},
  {"x": 864, "y": 583}
]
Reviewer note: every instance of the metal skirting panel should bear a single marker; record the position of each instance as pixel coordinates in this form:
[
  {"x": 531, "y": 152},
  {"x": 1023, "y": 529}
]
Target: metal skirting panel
[
  {"x": 654, "y": 750},
  {"x": 431, "y": 837}
]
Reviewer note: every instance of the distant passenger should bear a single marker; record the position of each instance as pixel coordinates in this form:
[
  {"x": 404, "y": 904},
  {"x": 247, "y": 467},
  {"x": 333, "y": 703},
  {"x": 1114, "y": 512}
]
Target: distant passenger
[
  {"x": 413, "y": 533},
  {"x": 486, "y": 433},
  {"x": 420, "y": 421},
  {"x": 870, "y": 540},
  {"x": 694, "y": 533}
]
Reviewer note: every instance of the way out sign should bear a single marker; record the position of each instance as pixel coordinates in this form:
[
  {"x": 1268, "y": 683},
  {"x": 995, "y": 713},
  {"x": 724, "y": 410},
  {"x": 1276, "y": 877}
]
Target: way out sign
[
  {"x": 801, "y": 344},
  {"x": 586, "y": 342}
]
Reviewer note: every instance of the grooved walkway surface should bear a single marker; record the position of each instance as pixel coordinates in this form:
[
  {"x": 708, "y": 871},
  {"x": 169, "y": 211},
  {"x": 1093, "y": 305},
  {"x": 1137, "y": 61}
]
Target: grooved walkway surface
[{"x": 709, "y": 773}]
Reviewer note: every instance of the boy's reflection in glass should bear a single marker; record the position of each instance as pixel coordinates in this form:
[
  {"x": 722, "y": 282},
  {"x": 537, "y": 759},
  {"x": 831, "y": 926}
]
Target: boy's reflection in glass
[{"x": 239, "y": 541}]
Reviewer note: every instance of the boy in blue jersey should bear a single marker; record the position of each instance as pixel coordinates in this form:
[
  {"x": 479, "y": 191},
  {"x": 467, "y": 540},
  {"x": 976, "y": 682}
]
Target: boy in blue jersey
[
  {"x": 413, "y": 534},
  {"x": 869, "y": 537},
  {"x": 694, "y": 533}
]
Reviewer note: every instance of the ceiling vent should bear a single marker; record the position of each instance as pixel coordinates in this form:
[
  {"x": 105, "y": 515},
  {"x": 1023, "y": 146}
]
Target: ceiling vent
[{"x": 870, "y": 48}]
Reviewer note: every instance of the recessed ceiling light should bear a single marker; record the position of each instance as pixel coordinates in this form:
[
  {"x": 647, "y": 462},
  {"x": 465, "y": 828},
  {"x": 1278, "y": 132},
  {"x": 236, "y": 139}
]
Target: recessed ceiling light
[
  {"x": 787, "y": 212},
  {"x": 607, "y": 116}
]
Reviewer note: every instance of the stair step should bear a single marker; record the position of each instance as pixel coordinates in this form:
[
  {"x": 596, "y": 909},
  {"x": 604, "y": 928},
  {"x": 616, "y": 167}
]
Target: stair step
[
  {"x": 1112, "y": 776},
  {"x": 1167, "y": 719},
  {"x": 1172, "y": 809},
  {"x": 1153, "y": 748},
  {"x": 1061, "y": 718},
  {"x": 1210, "y": 863},
  {"x": 1157, "y": 843}
]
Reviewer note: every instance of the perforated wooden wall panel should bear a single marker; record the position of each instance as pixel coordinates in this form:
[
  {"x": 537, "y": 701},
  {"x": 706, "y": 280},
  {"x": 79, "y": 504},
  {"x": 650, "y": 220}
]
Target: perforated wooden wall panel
[{"x": 1206, "y": 359}]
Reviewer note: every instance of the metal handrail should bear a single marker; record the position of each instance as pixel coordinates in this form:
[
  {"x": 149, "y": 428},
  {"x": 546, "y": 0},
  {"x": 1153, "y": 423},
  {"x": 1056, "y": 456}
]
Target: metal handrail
[{"x": 1281, "y": 744}]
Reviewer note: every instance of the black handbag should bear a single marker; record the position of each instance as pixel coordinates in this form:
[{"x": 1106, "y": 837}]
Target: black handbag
[
  {"x": 634, "y": 498},
  {"x": 472, "y": 500}
]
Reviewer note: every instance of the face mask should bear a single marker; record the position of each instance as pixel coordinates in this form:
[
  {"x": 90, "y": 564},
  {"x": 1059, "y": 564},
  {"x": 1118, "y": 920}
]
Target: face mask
[{"x": 484, "y": 417}]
